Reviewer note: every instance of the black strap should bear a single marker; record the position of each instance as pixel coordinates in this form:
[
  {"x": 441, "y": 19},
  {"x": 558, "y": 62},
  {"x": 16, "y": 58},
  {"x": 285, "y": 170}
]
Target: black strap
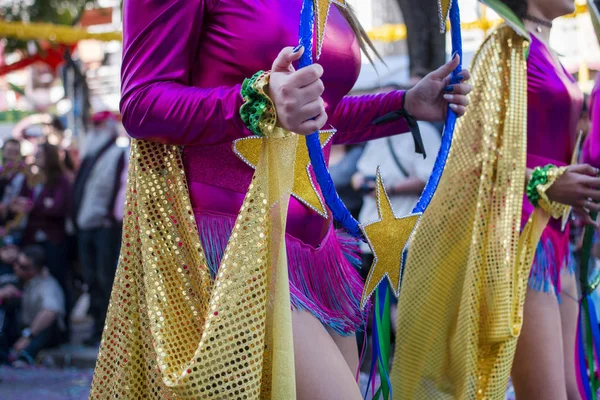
[
  {"x": 396, "y": 158},
  {"x": 412, "y": 125}
]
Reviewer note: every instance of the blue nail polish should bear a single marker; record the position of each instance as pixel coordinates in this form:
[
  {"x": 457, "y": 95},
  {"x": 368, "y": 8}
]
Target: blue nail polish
[
  {"x": 297, "y": 48},
  {"x": 460, "y": 77},
  {"x": 449, "y": 88}
]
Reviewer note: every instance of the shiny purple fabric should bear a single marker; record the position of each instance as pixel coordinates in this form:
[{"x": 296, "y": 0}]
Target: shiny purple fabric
[
  {"x": 554, "y": 104},
  {"x": 183, "y": 64},
  {"x": 591, "y": 148}
]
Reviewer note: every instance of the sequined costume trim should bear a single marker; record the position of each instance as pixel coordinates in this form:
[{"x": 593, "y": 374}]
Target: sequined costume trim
[{"x": 324, "y": 281}]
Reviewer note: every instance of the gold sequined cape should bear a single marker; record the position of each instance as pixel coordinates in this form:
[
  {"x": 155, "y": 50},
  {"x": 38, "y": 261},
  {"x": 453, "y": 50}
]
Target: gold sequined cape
[
  {"x": 174, "y": 332},
  {"x": 461, "y": 302}
]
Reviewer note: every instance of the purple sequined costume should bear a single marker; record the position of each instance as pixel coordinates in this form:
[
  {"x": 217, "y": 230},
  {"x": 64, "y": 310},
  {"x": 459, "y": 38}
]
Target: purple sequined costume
[
  {"x": 183, "y": 64},
  {"x": 554, "y": 107}
]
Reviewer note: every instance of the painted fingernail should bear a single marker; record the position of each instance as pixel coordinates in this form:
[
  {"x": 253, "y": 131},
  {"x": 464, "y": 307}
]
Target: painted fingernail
[
  {"x": 449, "y": 88},
  {"x": 460, "y": 77},
  {"x": 297, "y": 48},
  {"x": 453, "y": 106},
  {"x": 448, "y": 97}
]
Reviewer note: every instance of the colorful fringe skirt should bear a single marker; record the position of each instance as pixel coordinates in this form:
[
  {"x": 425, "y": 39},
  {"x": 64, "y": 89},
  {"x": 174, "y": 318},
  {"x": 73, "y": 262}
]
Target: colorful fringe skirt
[
  {"x": 553, "y": 256},
  {"x": 324, "y": 280}
]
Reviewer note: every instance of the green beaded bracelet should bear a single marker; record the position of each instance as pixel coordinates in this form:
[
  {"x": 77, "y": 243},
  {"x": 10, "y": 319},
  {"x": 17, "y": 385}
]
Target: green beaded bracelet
[
  {"x": 538, "y": 177},
  {"x": 256, "y": 104}
]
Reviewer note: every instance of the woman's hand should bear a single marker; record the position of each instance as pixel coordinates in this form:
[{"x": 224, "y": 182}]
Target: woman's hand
[
  {"x": 428, "y": 100},
  {"x": 297, "y": 94},
  {"x": 578, "y": 187}
]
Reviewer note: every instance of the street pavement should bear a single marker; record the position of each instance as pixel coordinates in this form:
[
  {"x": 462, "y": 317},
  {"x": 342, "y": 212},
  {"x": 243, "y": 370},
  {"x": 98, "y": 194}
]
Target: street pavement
[{"x": 45, "y": 383}]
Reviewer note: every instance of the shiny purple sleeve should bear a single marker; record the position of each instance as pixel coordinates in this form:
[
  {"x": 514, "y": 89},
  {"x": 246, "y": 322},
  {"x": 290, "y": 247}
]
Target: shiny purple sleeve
[
  {"x": 353, "y": 117},
  {"x": 160, "y": 47},
  {"x": 591, "y": 147}
]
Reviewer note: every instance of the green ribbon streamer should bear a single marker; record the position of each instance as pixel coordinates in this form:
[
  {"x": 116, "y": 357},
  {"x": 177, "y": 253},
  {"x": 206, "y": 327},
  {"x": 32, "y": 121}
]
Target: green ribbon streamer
[
  {"x": 587, "y": 288},
  {"x": 384, "y": 337}
]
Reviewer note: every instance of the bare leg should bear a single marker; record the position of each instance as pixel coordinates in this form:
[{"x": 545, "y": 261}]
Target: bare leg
[
  {"x": 538, "y": 370},
  {"x": 349, "y": 349},
  {"x": 321, "y": 370},
  {"x": 569, "y": 308}
]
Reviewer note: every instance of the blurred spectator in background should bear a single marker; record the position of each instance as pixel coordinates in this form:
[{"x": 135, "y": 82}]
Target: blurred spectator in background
[
  {"x": 342, "y": 166},
  {"x": 404, "y": 174},
  {"x": 9, "y": 309},
  {"x": 426, "y": 45},
  {"x": 12, "y": 185},
  {"x": 48, "y": 209},
  {"x": 41, "y": 316},
  {"x": 99, "y": 232}
]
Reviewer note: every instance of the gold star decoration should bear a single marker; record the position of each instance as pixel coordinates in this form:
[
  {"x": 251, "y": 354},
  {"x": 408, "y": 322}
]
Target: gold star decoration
[
  {"x": 304, "y": 188},
  {"x": 321, "y": 14},
  {"x": 387, "y": 238},
  {"x": 444, "y": 9}
]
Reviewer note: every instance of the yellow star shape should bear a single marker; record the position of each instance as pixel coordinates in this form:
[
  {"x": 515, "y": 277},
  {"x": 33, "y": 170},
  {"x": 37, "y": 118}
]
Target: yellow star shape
[
  {"x": 321, "y": 15},
  {"x": 304, "y": 189},
  {"x": 387, "y": 238}
]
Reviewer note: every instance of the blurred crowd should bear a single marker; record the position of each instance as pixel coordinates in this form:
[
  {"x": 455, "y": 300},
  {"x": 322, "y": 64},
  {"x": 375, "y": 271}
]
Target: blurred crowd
[{"x": 61, "y": 212}]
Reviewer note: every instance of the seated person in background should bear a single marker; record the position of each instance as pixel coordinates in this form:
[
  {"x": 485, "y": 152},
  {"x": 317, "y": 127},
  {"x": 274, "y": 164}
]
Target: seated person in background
[
  {"x": 42, "y": 309},
  {"x": 9, "y": 325}
]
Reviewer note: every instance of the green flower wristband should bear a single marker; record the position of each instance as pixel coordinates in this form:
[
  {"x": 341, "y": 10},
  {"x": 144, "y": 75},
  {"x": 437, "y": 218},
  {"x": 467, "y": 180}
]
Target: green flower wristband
[
  {"x": 538, "y": 177},
  {"x": 258, "y": 111}
]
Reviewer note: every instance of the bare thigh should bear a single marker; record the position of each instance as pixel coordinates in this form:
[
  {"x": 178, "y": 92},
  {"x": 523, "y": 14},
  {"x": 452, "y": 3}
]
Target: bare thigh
[
  {"x": 348, "y": 347},
  {"x": 322, "y": 372},
  {"x": 538, "y": 370},
  {"x": 569, "y": 309}
]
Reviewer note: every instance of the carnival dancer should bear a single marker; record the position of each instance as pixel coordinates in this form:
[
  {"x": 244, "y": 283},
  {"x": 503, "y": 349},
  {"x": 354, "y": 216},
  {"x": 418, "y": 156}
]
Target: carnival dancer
[
  {"x": 485, "y": 267},
  {"x": 170, "y": 330}
]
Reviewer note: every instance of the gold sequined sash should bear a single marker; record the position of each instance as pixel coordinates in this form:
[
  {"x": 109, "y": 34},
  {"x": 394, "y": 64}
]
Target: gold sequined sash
[
  {"x": 461, "y": 303},
  {"x": 171, "y": 331}
]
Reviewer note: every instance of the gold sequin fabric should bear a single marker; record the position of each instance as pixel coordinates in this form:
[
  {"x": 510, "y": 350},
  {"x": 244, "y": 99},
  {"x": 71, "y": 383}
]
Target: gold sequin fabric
[
  {"x": 171, "y": 331},
  {"x": 461, "y": 302},
  {"x": 556, "y": 210}
]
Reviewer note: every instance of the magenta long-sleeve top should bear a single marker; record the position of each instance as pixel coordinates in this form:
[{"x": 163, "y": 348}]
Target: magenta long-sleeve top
[
  {"x": 183, "y": 65},
  {"x": 591, "y": 147},
  {"x": 554, "y": 104}
]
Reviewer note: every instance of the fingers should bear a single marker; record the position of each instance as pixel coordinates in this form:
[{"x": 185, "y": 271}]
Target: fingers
[
  {"x": 460, "y": 88},
  {"x": 458, "y": 109},
  {"x": 311, "y": 110},
  {"x": 584, "y": 169},
  {"x": 307, "y": 76},
  {"x": 312, "y": 125},
  {"x": 590, "y": 181},
  {"x": 591, "y": 194},
  {"x": 285, "y": 58},
  {"x": 460, "y": 100},
  {"x": 585, "y": 216},
  {"x": 445, "y": 70},
  {"x": 466, "y": 74},
  {"x": 589, "y": 204}
]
